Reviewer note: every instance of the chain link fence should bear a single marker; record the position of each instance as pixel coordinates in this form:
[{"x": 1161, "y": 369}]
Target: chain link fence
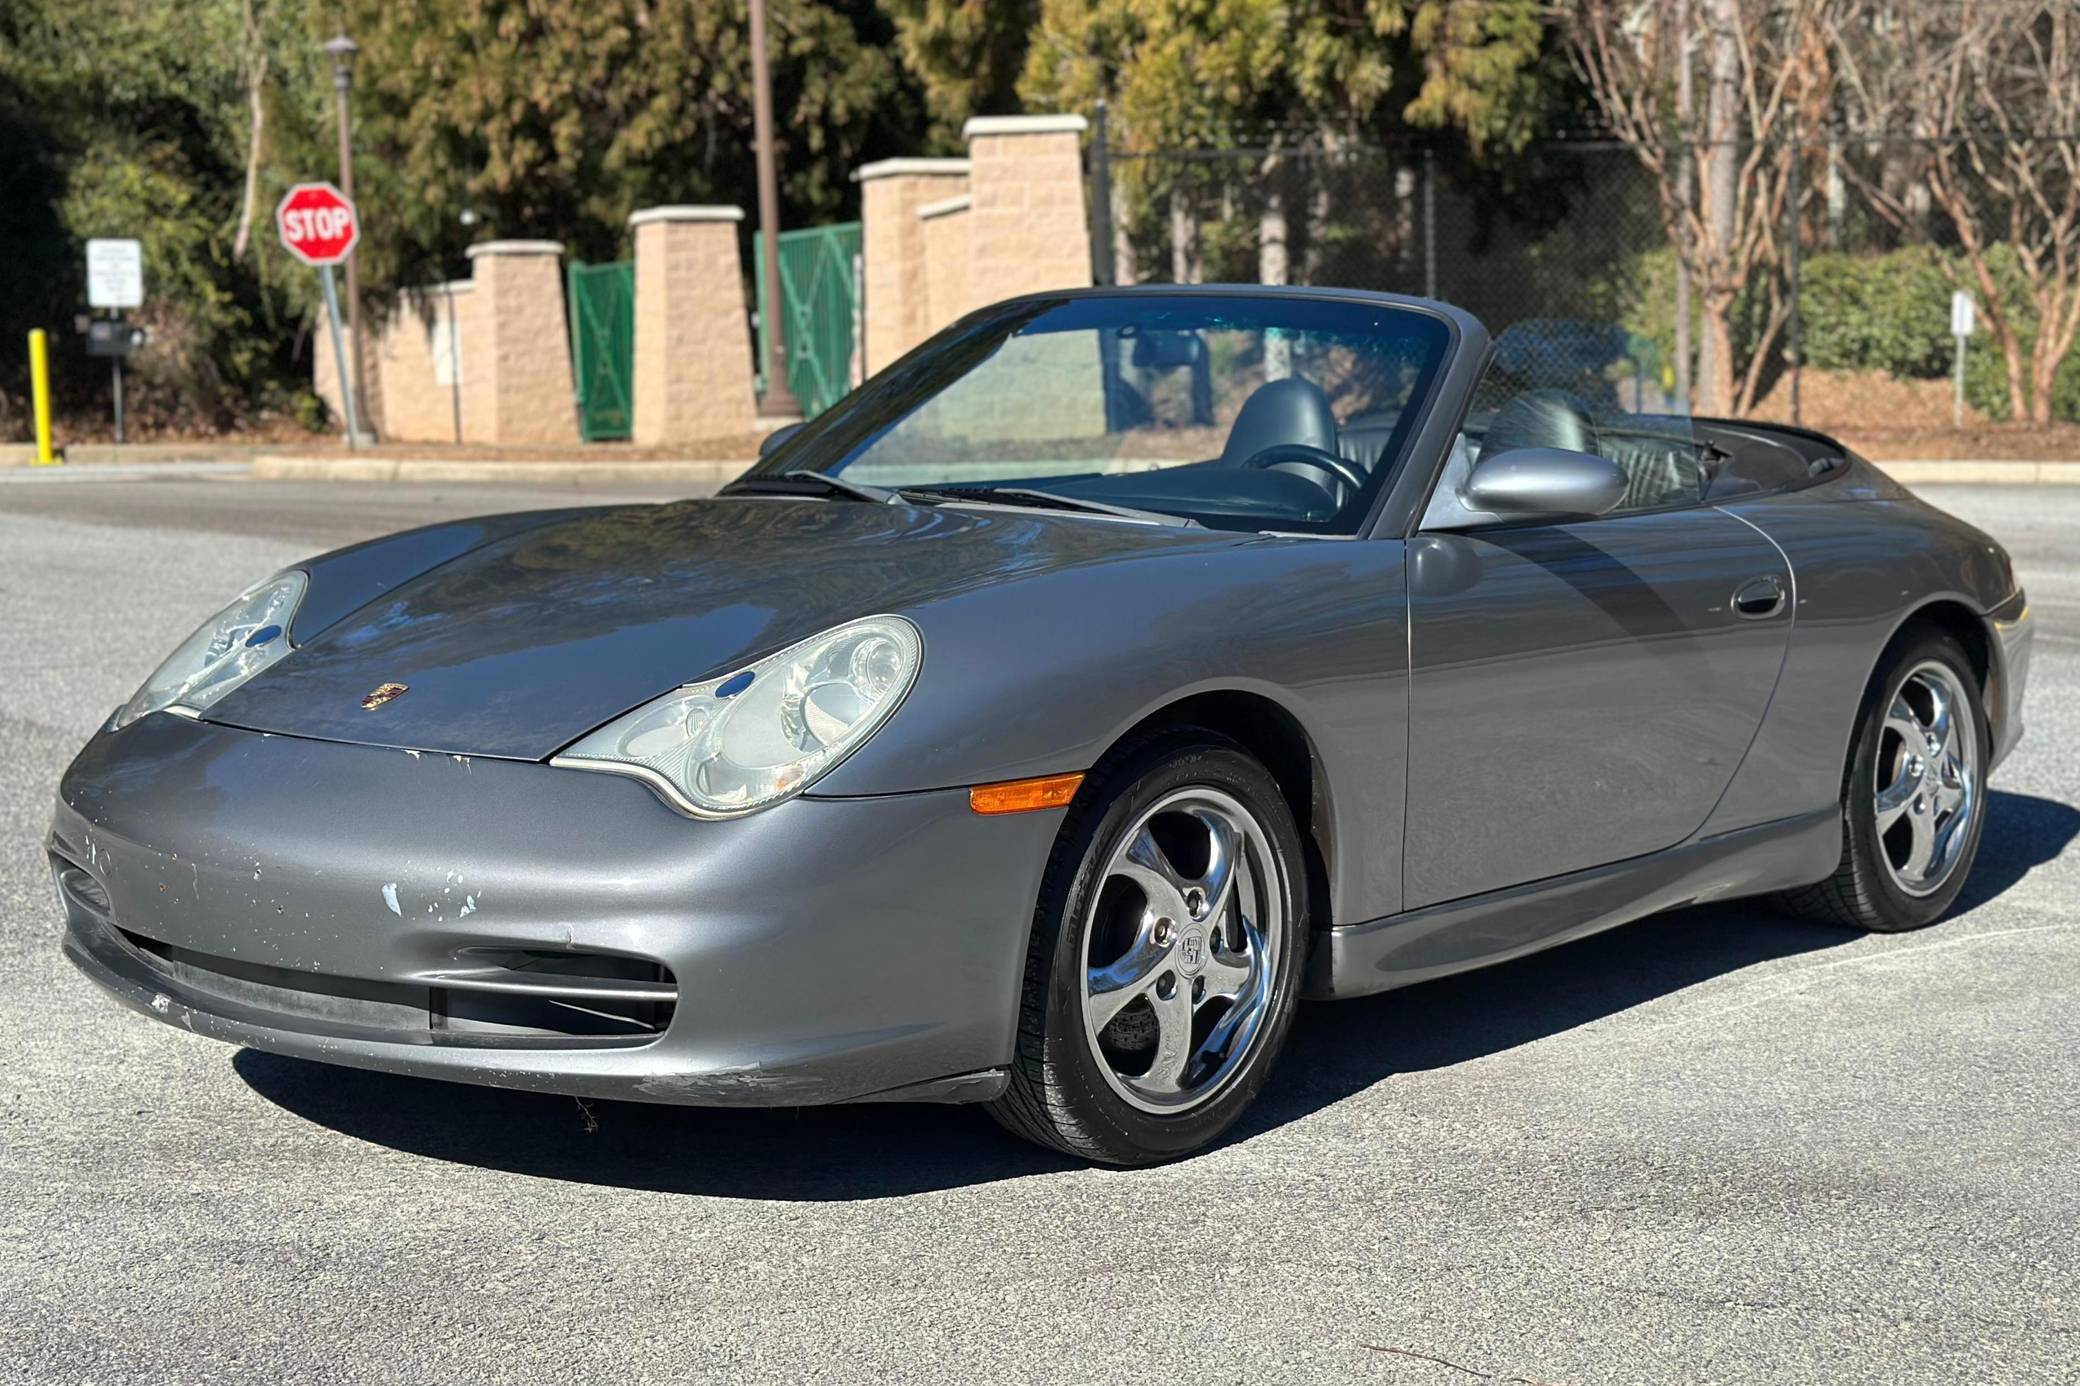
[{"x": 1564, "y": 249}]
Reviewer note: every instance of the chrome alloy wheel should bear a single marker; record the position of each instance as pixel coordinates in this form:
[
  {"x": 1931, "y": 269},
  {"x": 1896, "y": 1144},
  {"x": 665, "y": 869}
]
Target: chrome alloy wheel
[
  {"x": 1180, "y": 950},
  {"x": 1927, "y": 778}
]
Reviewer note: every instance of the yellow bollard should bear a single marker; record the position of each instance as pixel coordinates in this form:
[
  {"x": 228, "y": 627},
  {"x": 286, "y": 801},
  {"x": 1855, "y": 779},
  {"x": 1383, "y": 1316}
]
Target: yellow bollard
[{"x": 40, "y": 394}]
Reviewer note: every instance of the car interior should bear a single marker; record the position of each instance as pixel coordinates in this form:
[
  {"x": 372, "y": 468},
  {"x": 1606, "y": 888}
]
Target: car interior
[{"x": 1287, "y": 460}]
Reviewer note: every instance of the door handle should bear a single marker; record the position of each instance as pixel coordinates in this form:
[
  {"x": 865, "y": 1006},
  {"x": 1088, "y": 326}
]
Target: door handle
[{"x": 1760, "y": 598}]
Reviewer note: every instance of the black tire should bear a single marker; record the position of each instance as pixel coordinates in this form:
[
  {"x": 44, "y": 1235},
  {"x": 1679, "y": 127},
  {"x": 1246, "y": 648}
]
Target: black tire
[
  {"x": 1863, "y": 893},
  {"x": 1058, "y": 1096}
]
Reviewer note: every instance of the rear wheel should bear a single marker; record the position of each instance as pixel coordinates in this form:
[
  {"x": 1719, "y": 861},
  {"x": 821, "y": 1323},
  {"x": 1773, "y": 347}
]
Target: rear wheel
[
  {"x": 1166, "y": 956},
  {"x": 1913, "y": 801}
]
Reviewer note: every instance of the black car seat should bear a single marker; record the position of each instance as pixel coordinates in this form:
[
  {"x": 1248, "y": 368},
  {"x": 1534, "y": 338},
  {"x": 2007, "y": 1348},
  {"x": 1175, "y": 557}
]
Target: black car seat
[
  {"x": 1655, "y": 474},
  {"x": 1539, "y": 419},
  {"x": 1293, "y": 410},
  {"x": 1364, "y": 437}
]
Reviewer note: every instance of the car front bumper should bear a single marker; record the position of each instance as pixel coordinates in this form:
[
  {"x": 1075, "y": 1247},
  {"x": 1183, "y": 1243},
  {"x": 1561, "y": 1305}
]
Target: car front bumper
[
  {"x": 508, "y": 923},
  {"x": 2014, "y": 631}
]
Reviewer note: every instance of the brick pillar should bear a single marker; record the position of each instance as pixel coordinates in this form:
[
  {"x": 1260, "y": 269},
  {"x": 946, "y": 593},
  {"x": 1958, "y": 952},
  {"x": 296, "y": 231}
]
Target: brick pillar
[
  {"x": 693, "y": 373},
  {"x": 1029, "y": 229},
  {"x": 892, "y": 244},
  {"x": 517, "y": 384},
  {"x": 948, "y": 289}
]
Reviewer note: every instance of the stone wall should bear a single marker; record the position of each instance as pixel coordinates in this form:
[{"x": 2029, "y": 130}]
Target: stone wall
[
  {"x": 509, "y": 352},
  {"x": 416, "y": 358},
  {"x": 693, "y": 366},
  {"x": 893, "y": 245},
  {"x": 1028, "y": 227},
  {"x": 948, "y": 290},
  {"x": 516, "y": 385},
  {"x": 942, "y": 237}
]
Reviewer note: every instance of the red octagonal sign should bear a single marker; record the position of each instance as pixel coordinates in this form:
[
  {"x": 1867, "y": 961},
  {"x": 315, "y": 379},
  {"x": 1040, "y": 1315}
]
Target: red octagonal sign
[{"x": 317, "y": 223}]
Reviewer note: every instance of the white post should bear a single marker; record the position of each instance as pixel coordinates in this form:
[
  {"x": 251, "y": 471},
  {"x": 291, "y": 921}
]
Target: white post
[
  {"x": 1963, "y": 319},
  {"x": 1957, "y": 403}
]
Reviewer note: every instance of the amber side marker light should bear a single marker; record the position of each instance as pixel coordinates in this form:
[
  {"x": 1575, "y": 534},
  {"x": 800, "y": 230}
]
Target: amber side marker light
[{"x": 1023, "y": 796}]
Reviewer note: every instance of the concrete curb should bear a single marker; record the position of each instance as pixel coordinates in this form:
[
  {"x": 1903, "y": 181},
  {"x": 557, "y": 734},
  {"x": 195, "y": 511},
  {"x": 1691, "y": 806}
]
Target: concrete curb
[
  {"x": 450, "y": 470},
  {"x": 127, "y": 455},
  {"x": 581, "y": 472},
  {"x": 1988, "y": 473},
  {"x": 715, "y": 473}
]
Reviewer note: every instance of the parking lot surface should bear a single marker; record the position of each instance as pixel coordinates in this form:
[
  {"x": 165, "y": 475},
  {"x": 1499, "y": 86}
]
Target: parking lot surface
[{"x": 1717, "y": 1145}]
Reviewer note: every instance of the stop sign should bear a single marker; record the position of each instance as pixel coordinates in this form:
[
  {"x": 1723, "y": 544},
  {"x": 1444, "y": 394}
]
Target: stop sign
[{"x": 317, "y": 223}]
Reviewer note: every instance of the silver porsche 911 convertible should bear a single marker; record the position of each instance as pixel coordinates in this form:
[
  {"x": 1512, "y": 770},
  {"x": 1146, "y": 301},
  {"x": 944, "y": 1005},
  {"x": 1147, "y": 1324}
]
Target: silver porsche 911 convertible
[{"x": 1037, "y": 726}]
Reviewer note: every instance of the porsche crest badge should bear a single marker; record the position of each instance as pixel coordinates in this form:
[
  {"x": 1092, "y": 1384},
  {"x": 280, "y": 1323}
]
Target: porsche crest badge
[{"x": 383, "y": 693}]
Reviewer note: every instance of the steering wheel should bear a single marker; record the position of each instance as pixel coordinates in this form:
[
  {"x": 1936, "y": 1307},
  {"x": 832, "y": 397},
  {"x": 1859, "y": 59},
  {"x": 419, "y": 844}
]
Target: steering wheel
[{"x": 1321, "y": 459}]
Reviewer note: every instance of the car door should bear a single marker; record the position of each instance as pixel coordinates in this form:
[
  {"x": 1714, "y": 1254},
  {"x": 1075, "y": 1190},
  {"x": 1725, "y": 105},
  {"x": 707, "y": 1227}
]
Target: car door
[{"x": 1581, "y": 693}]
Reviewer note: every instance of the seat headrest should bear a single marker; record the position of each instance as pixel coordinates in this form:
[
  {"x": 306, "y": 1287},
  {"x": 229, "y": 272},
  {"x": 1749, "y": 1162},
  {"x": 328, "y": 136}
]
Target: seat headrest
[
  {"x": 1292, "y": 410},
  {"x": 1539, "y": 419}
]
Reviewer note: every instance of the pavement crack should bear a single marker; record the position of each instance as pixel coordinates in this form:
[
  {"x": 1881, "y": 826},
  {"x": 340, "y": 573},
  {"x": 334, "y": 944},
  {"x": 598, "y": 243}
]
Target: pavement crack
[{"x": 1456, "y": 1366}]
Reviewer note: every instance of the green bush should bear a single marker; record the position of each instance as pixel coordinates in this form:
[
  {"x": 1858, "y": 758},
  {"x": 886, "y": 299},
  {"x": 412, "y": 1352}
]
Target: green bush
[
  {"x": 1986, "y": 369},
  {"x": 1986, "y": 379},
  {"x": 1885, "y": 312}
]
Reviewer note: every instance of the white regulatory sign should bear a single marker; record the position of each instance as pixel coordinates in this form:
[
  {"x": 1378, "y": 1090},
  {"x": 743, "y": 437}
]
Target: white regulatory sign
[
  {"x": 1963, "y": 314},
  {"x": 115, "y": 274}
]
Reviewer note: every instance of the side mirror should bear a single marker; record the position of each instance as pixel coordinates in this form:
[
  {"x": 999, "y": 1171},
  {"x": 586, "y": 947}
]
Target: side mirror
[
  {"x": 1533, "y": 483},
  {"x": 774, "y": 439}
]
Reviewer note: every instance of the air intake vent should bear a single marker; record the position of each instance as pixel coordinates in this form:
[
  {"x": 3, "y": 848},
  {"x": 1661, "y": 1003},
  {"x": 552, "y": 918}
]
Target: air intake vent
[{"x": 514, "y": 997}]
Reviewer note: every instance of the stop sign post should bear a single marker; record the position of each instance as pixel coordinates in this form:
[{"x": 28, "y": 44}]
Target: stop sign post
[{"x": 318, "y": 225}]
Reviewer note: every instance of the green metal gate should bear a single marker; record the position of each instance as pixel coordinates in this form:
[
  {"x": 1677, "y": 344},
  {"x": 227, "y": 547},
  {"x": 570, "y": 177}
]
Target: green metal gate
[
  {"x": 819, "y": 272},
  {"x": 603, "y": 347}
]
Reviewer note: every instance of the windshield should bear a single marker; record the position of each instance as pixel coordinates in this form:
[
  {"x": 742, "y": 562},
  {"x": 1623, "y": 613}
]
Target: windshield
[{"x": 1253, "y": 412}]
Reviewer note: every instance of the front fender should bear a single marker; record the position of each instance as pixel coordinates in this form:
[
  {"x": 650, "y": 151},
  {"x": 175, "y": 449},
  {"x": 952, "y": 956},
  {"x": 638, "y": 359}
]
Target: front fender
[{"x": 1043, "y": 675}]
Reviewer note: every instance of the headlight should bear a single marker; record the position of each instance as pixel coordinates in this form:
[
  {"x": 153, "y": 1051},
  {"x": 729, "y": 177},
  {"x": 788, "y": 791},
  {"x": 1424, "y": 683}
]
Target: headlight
[
  {"x": 767, "y": 732},
  {"x": 226, "y": 650}
]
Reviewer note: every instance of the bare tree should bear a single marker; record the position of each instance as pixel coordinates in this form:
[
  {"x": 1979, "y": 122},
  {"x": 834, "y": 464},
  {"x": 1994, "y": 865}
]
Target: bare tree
[
  {"x": 1761, "y": 60},
  {"x": 254, "y": 67},
  {"x": 1996, "y": 121}
]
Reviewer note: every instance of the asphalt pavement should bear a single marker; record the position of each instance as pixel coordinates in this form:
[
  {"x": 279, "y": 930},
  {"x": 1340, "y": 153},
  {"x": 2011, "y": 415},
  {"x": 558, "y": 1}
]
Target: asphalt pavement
[{"x": 1719, "y": 1145}]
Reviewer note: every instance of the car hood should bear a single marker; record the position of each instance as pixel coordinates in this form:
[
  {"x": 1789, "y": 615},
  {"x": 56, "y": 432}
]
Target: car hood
[{"x": 521, "y": 646}]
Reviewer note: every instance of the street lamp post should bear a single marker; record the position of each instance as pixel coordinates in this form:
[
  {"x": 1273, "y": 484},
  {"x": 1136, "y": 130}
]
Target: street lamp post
[
  {"x": 341, "y": 50},
  {"x": 779, "y": 402}
]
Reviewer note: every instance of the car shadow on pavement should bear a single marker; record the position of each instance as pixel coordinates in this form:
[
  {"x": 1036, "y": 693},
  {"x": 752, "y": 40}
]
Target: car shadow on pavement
[{"x": 869, "y": 1151}]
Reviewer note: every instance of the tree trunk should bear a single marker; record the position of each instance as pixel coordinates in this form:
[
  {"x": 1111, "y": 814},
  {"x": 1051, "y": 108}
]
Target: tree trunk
[
  {"x": 1721, "y": 204},
  {"x": 1686, "y": 196},
  {"x": 256, "y": 82},
  {"x": 1273, "y": 262},
  {"x": 1715, "y": 361},
  {"x": 1126, "y": 269},
  {"x": 1183, "y": 236},
  {"x": 2056, "y": 324},
  {"x": 2011, "y": 357},
  {"x": 2043, "y": 370}
]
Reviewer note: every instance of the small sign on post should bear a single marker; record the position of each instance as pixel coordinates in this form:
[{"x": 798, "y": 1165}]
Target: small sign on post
[
  {"x": 318, "y": 225},
  {"x": 115, "y": 274},
  {"x": 115, "y": 281},
  {"x": 1964, "y": 320}
]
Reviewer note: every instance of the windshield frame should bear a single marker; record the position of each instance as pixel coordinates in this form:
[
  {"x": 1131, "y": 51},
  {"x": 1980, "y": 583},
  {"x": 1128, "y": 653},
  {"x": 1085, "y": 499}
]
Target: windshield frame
[{"x": 862, "y": 415}]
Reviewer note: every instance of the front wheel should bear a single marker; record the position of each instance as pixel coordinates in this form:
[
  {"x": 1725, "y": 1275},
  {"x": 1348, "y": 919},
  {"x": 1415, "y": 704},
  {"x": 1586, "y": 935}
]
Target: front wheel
[
  {"x": 1166, "y": 955},
  {"x": 1914, "y": 798}
]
